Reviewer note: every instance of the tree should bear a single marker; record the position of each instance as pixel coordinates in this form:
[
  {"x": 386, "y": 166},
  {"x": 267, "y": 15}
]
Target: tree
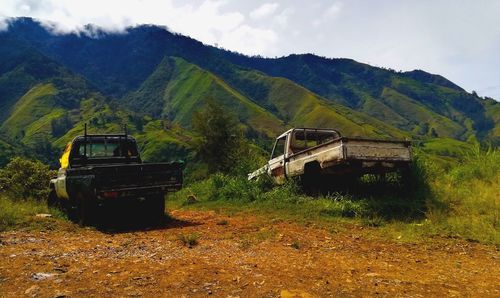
[
  {"x": 220, "y": 137},
  {"x": 23, "y": 179}
]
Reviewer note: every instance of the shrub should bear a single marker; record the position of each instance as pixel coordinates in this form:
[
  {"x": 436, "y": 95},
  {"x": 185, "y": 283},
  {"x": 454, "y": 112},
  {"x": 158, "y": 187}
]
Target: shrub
[
  {"x": 189, "y": 240},
  {"x": 23, "y": 179}
]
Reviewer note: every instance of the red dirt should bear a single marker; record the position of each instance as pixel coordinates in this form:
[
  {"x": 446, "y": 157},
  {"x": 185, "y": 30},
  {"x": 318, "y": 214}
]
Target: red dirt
[{"x": 239, "y": 256}]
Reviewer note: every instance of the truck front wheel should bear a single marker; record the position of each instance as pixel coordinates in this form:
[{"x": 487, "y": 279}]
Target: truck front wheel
[{"x": 52, "y": 200}]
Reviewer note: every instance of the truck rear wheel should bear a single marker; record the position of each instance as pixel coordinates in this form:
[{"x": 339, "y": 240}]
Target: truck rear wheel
[
  {"x": 86, "y": 212},
  {"x": 156, "y": 208},
  {"x": 311, "y": 179}
]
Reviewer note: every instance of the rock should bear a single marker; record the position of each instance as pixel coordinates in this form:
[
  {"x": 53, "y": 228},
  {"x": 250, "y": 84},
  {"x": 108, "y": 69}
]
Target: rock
[
  {"x": 43, "y": 215},
  {"x": 42, "y": 275},
  {"x": 32, "y": 291},
  {"x": 191, "y": 199},
  {"x": 295, "y": 294},
  {"x": 61, "y": 294}
]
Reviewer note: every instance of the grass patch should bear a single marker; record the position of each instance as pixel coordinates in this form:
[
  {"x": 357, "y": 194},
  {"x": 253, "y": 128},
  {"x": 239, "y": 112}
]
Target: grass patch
[
  {"x": 250, "y": 239},
  {"x": 189, "y": 240},
  {"x": 468, "y": 203},
  {"x": 222, "y": 222},
  {"x": 21, "y": 214}
]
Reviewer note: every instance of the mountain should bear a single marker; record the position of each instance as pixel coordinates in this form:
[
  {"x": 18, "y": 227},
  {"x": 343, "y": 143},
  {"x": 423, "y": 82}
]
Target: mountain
[
  {"x": 417, "y": 102},
  {"x": 154, "y": 80},
  {"x": 44, "y": 105}
]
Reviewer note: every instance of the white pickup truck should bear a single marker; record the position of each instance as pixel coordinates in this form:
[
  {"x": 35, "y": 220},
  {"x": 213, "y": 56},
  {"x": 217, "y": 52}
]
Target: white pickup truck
[{"x": 314, "y": 154}]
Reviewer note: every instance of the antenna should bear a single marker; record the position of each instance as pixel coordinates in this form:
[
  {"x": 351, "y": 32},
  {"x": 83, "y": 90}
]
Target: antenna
[{"x": 85, "y": 140}]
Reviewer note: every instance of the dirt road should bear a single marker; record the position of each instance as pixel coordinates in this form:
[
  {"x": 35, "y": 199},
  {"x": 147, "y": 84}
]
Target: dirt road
[{"x": 239, "y": 256}]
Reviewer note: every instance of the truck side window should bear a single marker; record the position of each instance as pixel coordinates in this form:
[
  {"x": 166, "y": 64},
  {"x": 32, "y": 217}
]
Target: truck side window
[{"x": 279, "y": 148}]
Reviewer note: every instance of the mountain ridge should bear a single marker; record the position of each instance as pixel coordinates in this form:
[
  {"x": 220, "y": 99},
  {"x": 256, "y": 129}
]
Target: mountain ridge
[{"x": 150, "y": 77}]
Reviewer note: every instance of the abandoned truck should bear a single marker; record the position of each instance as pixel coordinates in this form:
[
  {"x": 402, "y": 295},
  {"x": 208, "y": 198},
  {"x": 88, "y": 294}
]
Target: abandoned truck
[
  {"x": 314, "y": 155},
  {"x": 107, "y": 168}
]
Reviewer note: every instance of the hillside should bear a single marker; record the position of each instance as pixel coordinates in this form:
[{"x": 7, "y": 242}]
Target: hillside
[
  {"x": 426, "y": 104},
  {"x": 177, "y": 89},
  {"x": 423, "y": 104},
  {"x": 44, "y": 105}
]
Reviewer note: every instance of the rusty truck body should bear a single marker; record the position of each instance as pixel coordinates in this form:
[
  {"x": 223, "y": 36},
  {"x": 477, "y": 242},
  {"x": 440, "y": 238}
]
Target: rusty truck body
[{"x": 312, "y": 153}]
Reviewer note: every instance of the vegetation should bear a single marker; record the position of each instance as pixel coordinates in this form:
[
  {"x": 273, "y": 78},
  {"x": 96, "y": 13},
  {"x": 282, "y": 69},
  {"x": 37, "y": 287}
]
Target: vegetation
[
  {"x": 25, "y": 179},
  {"x": 23, "y": 193},
  {"x": 189, "y": 240},
  {"x": 460, "y": 202},
  {"x": 468, "y": 204},
  {"x": 21, "y": 214},
  {"x": 220, "y": 137}
]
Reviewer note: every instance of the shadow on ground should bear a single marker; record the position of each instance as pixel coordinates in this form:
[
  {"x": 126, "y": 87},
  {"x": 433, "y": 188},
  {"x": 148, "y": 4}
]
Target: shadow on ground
[{"x": 121, "y": 224}]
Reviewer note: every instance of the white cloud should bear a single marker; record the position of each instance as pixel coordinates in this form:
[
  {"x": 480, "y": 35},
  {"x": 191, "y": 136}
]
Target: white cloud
[
  {"x": 241, "y": 38},
  {"x": 329, "y": 14},
  {"x": 207, "y": 22},
  {"x": 263, "y": 11},
  {"x": 333, "y": 10}
]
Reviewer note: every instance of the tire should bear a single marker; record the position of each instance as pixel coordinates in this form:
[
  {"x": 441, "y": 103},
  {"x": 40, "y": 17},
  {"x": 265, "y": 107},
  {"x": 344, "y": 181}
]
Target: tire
[
  {"x": 156, "y": 208},
  {"x": 53, "y": 200},
  {"x": 311, "y": 179},
  {"x": 86, "y": 212}
]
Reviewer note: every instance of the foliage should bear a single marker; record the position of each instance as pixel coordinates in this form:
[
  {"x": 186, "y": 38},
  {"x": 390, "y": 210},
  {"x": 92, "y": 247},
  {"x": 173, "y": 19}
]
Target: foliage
[
  {"x": 23, "y": 179},
  {"x": 189, "y": 240},
  {"x": 220, "y": 139}
]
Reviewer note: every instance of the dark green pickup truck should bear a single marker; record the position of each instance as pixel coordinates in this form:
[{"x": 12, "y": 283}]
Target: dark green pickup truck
[{"x": 97, "y": 170}]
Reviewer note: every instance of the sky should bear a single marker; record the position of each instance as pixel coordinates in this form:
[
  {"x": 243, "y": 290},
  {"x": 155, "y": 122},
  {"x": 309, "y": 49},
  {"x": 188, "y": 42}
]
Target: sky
[{"x": 454, "y": 38}]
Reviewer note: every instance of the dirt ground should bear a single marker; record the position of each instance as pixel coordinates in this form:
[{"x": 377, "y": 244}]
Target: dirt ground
[{"x": 239, "y": 256}]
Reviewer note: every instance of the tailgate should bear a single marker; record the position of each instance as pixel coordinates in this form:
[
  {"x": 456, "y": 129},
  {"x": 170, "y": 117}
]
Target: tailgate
[
  {"x": 376, "y": 150},
  {"x": 158, "y": 176}
]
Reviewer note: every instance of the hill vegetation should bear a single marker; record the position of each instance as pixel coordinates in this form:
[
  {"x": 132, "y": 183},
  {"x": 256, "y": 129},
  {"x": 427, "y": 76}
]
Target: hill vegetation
[{"x": 423, "y": 104}]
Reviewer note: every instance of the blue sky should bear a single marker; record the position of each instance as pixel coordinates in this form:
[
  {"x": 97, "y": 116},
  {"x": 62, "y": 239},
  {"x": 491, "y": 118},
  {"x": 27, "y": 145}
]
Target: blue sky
[{"x": 457, "y": 39}]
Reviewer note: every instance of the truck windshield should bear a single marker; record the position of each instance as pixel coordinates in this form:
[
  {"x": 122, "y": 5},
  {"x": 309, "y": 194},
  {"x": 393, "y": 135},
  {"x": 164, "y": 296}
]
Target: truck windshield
[
  {"x": 279, "y": 148},
  {"x": 303, "y": 139},
  {"x": 108, "y": 149}
]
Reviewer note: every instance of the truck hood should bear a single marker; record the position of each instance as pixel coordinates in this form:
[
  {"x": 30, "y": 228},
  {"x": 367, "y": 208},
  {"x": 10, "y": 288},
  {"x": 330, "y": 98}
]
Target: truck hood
[{"x": 257, "y": 173}]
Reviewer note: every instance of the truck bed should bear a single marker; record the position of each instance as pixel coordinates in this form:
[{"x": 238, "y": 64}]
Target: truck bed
[
  {"x": 132, "y": 177},
  {"x": 352, "y": 155}
]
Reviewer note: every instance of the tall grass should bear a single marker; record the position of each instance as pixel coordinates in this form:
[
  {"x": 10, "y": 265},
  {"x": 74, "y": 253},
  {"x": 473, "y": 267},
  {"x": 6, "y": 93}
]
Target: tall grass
[
  {"x": 16, "y": 214},
  {"x": 469, "y": 197},
  {"x": 463, "y": 201}
]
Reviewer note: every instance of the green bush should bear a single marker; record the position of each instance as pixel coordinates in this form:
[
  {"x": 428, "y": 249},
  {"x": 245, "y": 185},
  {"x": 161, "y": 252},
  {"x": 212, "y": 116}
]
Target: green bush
[{"x": 23, "y": 179}]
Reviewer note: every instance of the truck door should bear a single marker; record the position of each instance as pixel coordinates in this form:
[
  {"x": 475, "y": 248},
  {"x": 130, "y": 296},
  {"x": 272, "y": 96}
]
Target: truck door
[{"x": 276, "y": 166}]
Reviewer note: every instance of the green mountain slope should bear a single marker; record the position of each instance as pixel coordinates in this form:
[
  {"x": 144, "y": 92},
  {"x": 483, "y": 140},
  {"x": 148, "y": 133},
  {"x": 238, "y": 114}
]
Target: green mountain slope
[
  {"x": 54, "y": 108},
  {"x": 120, "y": 63},
  {"x": 177, "y": 89},
  {"x": 364, "y": 88}
]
